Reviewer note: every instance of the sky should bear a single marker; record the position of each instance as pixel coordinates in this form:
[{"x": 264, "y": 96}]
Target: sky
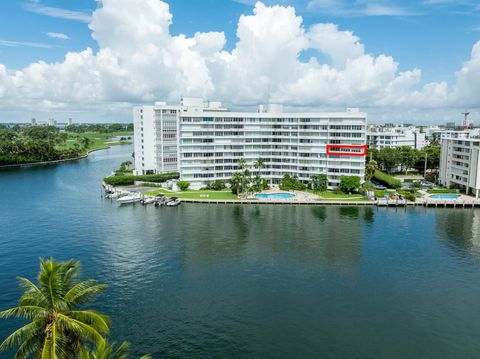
[{"x": 92, "y": 60}]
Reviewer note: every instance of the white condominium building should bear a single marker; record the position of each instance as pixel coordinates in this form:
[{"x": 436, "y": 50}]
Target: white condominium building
[
  {"x": 460, "y": 162},
  {"x": 382, "y": 137},
  {"x": 204, "y": 141}
]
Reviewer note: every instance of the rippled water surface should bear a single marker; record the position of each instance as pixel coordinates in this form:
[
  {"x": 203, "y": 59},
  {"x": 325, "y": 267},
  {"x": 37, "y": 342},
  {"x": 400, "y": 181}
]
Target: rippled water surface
[{"x": 209, "y": 281}]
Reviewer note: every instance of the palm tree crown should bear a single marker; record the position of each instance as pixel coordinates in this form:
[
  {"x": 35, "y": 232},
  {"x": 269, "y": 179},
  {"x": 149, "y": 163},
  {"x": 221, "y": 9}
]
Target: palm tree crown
[{"x": 58, "y": 327}]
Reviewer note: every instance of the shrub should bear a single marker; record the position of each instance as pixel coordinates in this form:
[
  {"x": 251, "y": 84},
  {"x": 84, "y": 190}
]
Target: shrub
[
  {"x": 320, "y": 182},
  {"x": 183, "y": 185},
  {"x": 290, "y": 183},
  {"x": 129, "y": 180},
  {"x": 410, "y": 196},
  {"x": 216, "y": 185},
  {"x": 387, "y": 180},
  {"x": 442, "y": 190},
  {"x": 349, "y": 183}
]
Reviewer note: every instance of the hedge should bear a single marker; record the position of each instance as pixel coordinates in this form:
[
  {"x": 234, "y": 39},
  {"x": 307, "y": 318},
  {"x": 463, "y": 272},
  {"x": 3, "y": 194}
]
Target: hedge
[
  {"x": 387, "y": 180},
  {"x": 442, "y": 190},
  {"x": 129, "y": 180}
]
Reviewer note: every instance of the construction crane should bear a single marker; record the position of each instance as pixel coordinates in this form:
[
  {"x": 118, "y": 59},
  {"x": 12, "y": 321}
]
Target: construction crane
[{"x": 465, "y": 120}]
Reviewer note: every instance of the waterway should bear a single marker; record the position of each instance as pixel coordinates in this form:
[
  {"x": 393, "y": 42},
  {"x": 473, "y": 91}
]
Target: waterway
[{"x": 213, "y": 281}]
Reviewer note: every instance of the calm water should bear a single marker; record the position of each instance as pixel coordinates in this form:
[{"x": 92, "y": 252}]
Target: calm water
[{"x": 257, "y": 281}]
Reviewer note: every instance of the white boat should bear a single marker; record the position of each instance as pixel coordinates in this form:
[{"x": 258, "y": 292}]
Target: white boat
[
  {"x": 173, "y": 202},
  {"x": 148, "y": 200},
  {"x": 130, "y": 199}
]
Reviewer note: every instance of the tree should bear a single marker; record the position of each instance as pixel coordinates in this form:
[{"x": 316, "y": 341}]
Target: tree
[
  {"x": 58, "y": 328},
  {"x": 106, "y": 350},
  {"x": 320, "y": 182},
  {"x": 408, "y": 157},
  {"x": 259, "y": 184},
  {"x": 126, "y": 164},
  {"x": 291, "y": 183},
  {"x": 349, "y": 183},
  {"x": 183, "y": 185},
  {"x": 242, "y": 178},
  {"x": 85, "y": 142},
  {"x": 370, "y": 169}
]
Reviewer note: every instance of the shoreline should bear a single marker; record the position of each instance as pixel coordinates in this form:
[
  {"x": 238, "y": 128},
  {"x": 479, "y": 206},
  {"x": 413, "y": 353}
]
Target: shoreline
[{"x": 55, "y": 162}]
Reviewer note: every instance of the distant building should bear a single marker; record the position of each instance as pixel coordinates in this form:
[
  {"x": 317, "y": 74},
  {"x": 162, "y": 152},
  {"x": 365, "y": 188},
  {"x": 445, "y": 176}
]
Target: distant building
[
  {"x": 204, "y": 141},
  {"x": 34, "y": 121},
  {"x": 396, "y": 136},
  {"x": 52, "y": 122},
  {"x": 69, "y": 121},
  {"x": 460, "y": 161},
  {"x": 450, "y": 125}
]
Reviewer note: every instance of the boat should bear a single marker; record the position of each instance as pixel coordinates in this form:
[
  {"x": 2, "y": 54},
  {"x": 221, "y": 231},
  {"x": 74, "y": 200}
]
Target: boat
[
  {"x": 160, "y": 200},
  {"x": 174, "y": 201},
  {"x": 148, "y": 200},
  {"x": 130, "y": 199}
]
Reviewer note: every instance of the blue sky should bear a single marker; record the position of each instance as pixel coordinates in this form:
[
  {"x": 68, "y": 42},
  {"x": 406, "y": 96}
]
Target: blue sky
[{"x": 435, "y": 36}]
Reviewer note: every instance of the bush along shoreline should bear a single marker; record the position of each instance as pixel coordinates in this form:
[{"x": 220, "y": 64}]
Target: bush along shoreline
[{"x": 130, "y": 179}]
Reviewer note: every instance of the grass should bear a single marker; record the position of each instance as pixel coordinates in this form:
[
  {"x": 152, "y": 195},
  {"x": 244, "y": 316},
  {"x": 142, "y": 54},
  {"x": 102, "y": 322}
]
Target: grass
[
  {"x": 332, "y": 195},
  {"x": 98, "y": 140},
  {"x": 191, "y": 194}
]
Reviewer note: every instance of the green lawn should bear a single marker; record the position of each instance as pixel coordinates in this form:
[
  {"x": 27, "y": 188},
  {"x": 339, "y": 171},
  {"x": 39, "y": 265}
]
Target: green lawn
[
  {"x": 330, "y": 195},
  {"x": 98, "y": 140},
  {"x": 191, "y": 194}
]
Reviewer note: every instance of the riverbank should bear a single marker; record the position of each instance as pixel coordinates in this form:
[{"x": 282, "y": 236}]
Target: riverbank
[{"x": 95, "y": 146}]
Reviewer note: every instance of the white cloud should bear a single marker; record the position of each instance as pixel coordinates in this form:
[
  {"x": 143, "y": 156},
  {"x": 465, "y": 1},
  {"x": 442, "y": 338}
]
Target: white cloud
[
  {"x": 58, "y": 35},
  {"x": 139, "y": 60},
  {"x": 354, "y": 8},
  {"x": 9, "y": 43},
  {"x": 38, "y": 8}
]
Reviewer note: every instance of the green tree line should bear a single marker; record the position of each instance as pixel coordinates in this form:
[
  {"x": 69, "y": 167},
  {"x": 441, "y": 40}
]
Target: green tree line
[
  {"x": 405, "y": 157},
  {"x": 36, "y": 144},
  {"x": 101, "y": 128}
]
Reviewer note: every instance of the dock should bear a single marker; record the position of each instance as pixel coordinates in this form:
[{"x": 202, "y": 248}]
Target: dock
[{"x": 379, "y": 203}]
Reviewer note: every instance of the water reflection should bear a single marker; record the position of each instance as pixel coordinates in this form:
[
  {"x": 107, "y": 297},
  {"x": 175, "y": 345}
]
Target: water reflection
[
  {"x": 461, "y": 227},
  {"x": 267, "y": 234}
]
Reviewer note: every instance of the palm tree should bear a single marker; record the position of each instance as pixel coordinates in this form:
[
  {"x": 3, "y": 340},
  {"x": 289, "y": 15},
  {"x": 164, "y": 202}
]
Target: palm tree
[
  {"x": 105, "y": 350},
  {"x": 259, "y": 164},
  {"x": 370, "y": 169},
  {"x": 57, "y": 328},
  {"x": 85, "y": 142}
]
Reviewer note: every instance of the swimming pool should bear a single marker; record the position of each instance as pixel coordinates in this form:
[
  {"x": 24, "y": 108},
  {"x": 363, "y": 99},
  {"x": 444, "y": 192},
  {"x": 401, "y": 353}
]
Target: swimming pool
[
  {"x": 445, "y": 196},
  {"x": 280, "y": 195}
]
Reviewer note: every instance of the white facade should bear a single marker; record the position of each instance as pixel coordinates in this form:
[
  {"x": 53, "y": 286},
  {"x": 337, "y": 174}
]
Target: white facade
[
  {"x": 460, "y": 162},
  {"x": 382, "y": 137},
  {"x": 204, "y": 141}
]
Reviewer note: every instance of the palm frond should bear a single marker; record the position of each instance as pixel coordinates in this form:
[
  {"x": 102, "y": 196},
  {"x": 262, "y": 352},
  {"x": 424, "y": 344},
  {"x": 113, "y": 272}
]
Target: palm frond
[
  {"x": 97, "y": 320},
  {"x": 86, "y": 295},
  {"x": 79, "y": 328},
  {"x": 47, "y": 352},
  {"x": 32, "y": 291},
  {"x": 78, "y": 288},
  {"x": 29, "y": 346},
  {"x": 27, "y": 311},
  {"x": 121, "y": 352},
  {"x": 22, "y": 334}
]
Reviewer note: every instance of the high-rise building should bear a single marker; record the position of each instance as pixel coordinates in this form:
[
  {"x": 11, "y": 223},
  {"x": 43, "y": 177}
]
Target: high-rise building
[
  {"x": 204, "y": 141},
  {"x": 397, "y": 136},
  {"x": 460, "y": 161}
]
